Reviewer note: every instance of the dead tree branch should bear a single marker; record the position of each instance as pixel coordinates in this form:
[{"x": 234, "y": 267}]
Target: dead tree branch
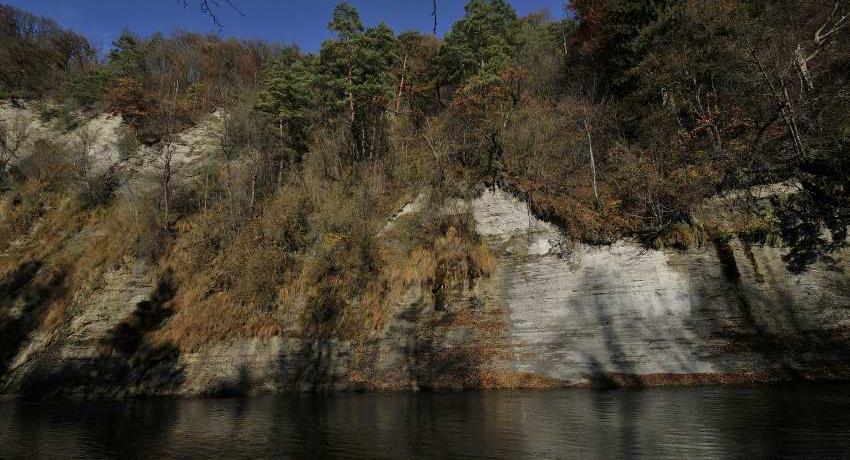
[
  {"x": 211, "y": 7},
  {"x": 823, "y": 36}
]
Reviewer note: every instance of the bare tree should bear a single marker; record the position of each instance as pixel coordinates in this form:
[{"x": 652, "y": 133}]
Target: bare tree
[
  {"x": 775, "y": 72},
  {"x": 12, "y": 138},
  {"x": 823, "y": 36},
  {"x": 586, "y": 122},
  {"x": 777, "y": 89},
  {"x": 434, "y": 14},
  {"x": 164, "y": 163},
  {"x": 211, "y": 8},
  {"x": 83, "y": 152}
]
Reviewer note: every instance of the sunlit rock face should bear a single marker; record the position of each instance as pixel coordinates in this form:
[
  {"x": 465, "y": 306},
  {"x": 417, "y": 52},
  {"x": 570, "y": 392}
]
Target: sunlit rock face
[
  {"x": 554, "y": 313},
  {"x": 576, "y": 313}
]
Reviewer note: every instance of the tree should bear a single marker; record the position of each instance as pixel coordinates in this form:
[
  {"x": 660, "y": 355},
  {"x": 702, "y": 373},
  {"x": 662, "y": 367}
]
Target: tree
[
  {"x": 211, "y": 7},
  {"x": 611, "y": 31},
  {"x": 337, "y": 57},
  {"x": 36, "y": 55},
  {"x": 165, "y": 164},
  {"x": 417, "y": 51},
  {"x": 126, "y": 59},
  {"x": 483, "y": 41},
  {"x": 13, "y": 135},
  {"x": 286, "y": 96},
  {"x": 346, "y": 22},
  {"x": 357, "y": 72}
]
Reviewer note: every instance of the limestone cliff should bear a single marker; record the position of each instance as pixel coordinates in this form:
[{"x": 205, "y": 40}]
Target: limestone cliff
[{"x": 553, "y": 314}]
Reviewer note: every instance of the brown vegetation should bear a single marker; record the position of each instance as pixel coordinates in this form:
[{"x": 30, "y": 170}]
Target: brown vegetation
[{"x": 620, "y": 124}]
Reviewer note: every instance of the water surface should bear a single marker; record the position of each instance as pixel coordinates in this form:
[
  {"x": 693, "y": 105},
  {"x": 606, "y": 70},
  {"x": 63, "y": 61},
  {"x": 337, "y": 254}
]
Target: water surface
[{"x": 811, "y": 421}]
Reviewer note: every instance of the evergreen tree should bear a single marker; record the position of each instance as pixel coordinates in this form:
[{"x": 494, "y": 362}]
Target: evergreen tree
[
  {"x": 126, "y": 60},
  {"x": 357, "y": 71},
  {"x": 286, "y": 96},
  {"x": 482, "y": 42},
  {"x": 625, "y": 46}
]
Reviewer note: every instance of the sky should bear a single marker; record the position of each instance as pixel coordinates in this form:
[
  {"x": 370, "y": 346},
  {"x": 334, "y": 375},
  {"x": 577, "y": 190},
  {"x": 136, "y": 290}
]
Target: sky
[{"x": 303, "y": 22}]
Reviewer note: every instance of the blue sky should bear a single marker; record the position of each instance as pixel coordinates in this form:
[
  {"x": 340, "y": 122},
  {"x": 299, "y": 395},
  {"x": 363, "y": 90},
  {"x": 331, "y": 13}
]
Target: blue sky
[{"x": 290, "y": 21}]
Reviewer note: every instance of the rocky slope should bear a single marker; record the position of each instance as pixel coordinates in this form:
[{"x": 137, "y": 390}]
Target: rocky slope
[
  {"x": 553, "y": 313},
  {"x": 550, "y": 316}
]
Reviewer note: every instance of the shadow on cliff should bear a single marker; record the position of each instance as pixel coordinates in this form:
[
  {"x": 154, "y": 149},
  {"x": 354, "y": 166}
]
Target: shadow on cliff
[
  {"x": 432, "y": 363},
  {"x": 769, "y": 323},
  {"x": 312, "y": 366},
  {"x": 128, "y": 363},
  {"x": 629, "y": 339},
  {"x": 621, "y": 372},
  {"x": 24, "y": 296},
  {"x": 240, "y": 385}
]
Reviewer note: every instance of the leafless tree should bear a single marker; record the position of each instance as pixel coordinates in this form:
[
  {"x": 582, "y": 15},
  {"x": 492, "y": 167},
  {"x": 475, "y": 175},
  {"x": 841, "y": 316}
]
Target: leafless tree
[
  {"x": 83, "y": 152},
  {"x": 164, "y": 163},
  {"x": 776, "y": 88},
  {"x": 586, "y": 122},
  {"x": 211, "y": 8},
  {"x": 823, "y": 36},
  {"x": 13, "y": 135},
  {"x": 434, "y": 14}
]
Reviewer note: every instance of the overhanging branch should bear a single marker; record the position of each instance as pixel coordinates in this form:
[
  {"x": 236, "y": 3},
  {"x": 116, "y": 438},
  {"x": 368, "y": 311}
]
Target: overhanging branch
[{"x": 211, "y": 7}]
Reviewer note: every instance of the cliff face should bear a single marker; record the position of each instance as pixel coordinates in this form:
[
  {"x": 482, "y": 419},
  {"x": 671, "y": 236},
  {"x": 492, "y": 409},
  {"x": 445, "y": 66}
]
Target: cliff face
[
  {"x": 626, "y": 315},
  {"x": 552, "y": 314}
]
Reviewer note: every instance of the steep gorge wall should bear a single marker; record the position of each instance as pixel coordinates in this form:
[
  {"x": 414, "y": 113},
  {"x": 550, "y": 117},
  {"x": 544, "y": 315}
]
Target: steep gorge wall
[
  {"x": 722, "y": 313},
  {"x": 551, "y": 315},
  {"x": 554, "y": 313}
]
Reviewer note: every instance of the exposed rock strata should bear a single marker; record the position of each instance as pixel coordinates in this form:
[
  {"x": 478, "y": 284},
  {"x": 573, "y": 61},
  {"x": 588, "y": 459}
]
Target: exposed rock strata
[
  {"x": 731, "y": 312},
  {"x": 553, "y": 314}
]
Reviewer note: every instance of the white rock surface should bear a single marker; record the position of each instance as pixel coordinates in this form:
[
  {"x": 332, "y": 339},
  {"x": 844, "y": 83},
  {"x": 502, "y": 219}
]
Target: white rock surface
[{"x": 626, "y": 310}]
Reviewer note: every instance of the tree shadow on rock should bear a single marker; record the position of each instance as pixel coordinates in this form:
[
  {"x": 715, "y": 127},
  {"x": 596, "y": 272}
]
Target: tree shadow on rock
[
  {"x": 128, "y": 363},
  {"x": 24, "y": 295},
  {"x": 770, "y": 324},
  {"x": 128, "y": 337},
  {"x": 240, "y": 385},
  {"x": 150, "y": 367},
  {"x": 432, "y": 363}
]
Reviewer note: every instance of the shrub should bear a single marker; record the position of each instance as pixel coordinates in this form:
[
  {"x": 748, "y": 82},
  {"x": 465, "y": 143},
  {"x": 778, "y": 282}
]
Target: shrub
[
  {"x": 48, "y": 164},
  {"x": 128, "y": 145},
  {"x": 97, "y": 189}
]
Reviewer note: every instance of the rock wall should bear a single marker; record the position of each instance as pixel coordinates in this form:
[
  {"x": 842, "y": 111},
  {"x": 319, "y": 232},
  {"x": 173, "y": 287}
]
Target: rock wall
[
  {"x": 728, "y": 312},
  {"x": 553, "y": 314}
]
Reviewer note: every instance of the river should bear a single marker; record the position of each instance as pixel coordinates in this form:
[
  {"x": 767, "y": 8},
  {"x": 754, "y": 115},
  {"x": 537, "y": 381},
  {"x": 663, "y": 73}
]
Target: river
[{"x": 810, "y": 421}]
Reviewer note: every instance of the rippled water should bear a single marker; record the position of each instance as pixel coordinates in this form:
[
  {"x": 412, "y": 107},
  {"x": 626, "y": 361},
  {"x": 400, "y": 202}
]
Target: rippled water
[{"x": 808, "y": 421}]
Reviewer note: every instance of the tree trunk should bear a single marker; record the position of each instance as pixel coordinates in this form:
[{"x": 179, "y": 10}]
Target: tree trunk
[
  {"x": 350, "y": 95},
  {"x": 401, "y": 84},
  {"x": 592, "y": 161}
]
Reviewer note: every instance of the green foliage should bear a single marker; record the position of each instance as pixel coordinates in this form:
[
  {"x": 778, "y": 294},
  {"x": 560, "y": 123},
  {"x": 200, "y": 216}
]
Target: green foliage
[
  {"x": 626, "y": 44},
  {"x": 483, "y": 41},
  {"x": 357, "y": 75},
  {"x": 86, "y": 89},
  {"x": 126, "y": 59},
  {"x": 287, "y": 96},
  {"x": 346, "y": 22}
]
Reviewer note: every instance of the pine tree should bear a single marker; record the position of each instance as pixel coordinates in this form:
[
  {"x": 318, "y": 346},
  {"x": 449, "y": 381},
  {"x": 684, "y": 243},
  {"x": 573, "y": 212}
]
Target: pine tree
[
  {"x": 357, "y": 72},
  {"x": 286, "y": 97},
  {"x": 482, "y": 42}
]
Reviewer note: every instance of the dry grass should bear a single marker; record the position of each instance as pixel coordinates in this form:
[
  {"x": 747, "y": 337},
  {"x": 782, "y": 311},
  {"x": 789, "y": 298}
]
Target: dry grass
[{"x": 304, "y": 262}]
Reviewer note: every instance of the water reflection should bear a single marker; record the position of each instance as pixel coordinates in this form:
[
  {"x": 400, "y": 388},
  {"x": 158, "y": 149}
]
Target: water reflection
[{"x": 810, "y": 421}]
